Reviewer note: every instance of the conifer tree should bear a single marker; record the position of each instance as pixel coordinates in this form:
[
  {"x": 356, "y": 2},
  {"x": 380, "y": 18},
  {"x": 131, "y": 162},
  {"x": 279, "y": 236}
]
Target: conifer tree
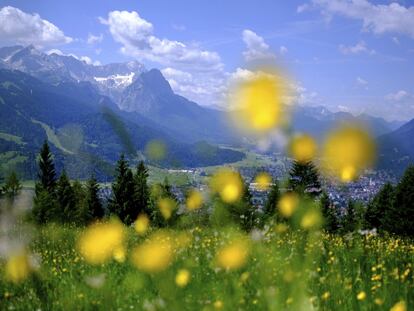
[
  {"x": 400, "y": 218},
  {"x": 141, "y": 189},
  {"x": 304, "y": 178},
  {"x": 45, "y": 204},
  {"x": 82, "y": 214},
  {"x": 349, "y": 221},
  {"x": 93, "y": 202},
  {"x": 380, "y": 207},
  {"x": 162, "y": 197},
  {"x": 47, "y": 173},
  {"x": 66, "y": 199},
  {"x": 270, "y": 206},
  {"x": 329, "y": 214},
  {"x": 12, "y": 185},
  {"x": 122, "y": 200}
]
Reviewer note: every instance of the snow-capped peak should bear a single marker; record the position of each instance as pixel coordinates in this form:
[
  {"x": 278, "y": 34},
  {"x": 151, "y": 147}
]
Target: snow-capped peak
[{"x": 116, "y": 81}]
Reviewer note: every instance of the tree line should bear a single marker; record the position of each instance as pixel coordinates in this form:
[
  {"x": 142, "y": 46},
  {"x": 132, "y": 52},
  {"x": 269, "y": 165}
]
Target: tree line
[{"x": 57, "y": 199}]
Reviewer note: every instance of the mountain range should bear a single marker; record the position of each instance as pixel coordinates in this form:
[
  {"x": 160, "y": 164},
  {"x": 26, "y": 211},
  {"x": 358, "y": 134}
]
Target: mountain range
[{"x": 92, "y": 113}]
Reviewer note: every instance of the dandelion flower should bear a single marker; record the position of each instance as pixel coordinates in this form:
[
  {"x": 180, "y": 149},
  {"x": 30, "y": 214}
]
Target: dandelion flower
[
  {"x": 155, "y": 254},
  {"x": 263, "y": 181},
  {"x": 141, "y": 224},
  {"x": 17, "y": 267},
  {"x": 233, "y": 255},
  {"x": 302, "y": 148},
  {"x": 288, "y": 204},
  {"x": 194, "y": 200},
  {"x": 100, "y": 241},
  {"x": 182, "y": 278},
  {"x": 228, "y": 184}
]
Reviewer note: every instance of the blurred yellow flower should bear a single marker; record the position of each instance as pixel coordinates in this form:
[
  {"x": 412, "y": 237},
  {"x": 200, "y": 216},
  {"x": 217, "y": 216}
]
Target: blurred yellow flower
[
  {"x": 194, "y": 200},
  {"x": 119, "y": 254},
  {"x": 166, "y": 206},
  {"x": 228, "y": 184},
  {"x": 311, "y": 219},
  {"x": 302, "y": 148},
  {"x": 17, "y": 267},
  {"x": 182, "y": 278},
  {"x": 99, "y": 241},
  {"x": 399, "y": 306},
  {"x": 361, "y": 295},
  {"x": 218, "y": 304},
  {"x": 258, "y": 102},
  {"x": 155, "y": 254},
  {"x": 234, "y": 255},
  {"x": 347, "y": 151},
  {"x": 288, "y": 204},
  {"x": 263, "y": 181},
  {"x": 141, "y": 224},
  {"x": 326, "y": 295},
  {"x": 155, "y": 150}
]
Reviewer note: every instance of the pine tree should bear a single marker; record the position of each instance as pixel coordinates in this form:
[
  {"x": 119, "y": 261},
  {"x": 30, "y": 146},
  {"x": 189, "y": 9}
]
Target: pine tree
[
  {"x": 45, "y": 205},
  {"x": 400, "y": 218},
  {"x": 47, "y": 174},
  {"x": 163, "y": 192},
  {"x": 141, "y": 189},
  {"x": 122, "y": 200},
  {"x": 379, "y": 208},
  {"x": 349, "y": 222},
  {"x": 82, "y": 215},
  {"x": 304, "y": 178},
  {"x": 12, "y": 186},
  {"x": 270, "y": 206},
  {"x": 329, "y": 214},
  {"x": 93, "y": 202},
  {"x": 66, "y": 199}
]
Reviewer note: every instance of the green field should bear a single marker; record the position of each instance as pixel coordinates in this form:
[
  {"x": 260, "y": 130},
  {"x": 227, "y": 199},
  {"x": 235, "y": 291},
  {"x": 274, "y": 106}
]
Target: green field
[{"x": 277, "y": 271}]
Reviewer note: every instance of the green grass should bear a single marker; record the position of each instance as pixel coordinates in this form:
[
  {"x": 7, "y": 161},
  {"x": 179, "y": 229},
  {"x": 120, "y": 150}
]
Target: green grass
[
  {"x": 9, "y": 137},
  {"x": 9, "y": 160},
  {"x": 51, "y": 136},
  {"x": 284, "y": 271}
]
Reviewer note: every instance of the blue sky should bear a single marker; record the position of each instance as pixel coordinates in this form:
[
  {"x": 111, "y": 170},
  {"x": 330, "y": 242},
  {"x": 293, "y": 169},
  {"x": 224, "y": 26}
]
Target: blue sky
[{"x": 347, "y": 55}]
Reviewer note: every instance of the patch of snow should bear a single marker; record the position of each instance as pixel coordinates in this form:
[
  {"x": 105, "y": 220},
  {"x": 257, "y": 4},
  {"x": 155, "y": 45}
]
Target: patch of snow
[{"x": 117, "y": 81}]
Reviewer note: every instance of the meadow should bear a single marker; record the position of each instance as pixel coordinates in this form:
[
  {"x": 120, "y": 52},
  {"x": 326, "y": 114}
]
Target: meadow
[{"x": 275, "y": 268}]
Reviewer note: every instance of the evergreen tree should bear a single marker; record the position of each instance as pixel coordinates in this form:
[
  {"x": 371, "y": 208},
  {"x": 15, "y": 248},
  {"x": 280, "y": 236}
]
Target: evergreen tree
[
  {"x": 329, "y": 214},
  {"x": 400, "y": 218},
  {"x": 349, "y": 221},
  {"x": 122, "y": 200},
  {"x": 270, "y": 206},
  {"x": 378, "y": 209},
  {"x": 141, "y": 189},
  {"x": 66, "y": 199},
  {"x": 245, "y": 212},
  {"x": 12, "y": 186},
  {"x": 82, "y": 215},
  {"x": 93, "y": 202},
  {"x": 47, "y": 174},
  {"x": 163, "y": 202},
  {"x": 45, "y": 206},
  {"x": 304, "y": 178}
]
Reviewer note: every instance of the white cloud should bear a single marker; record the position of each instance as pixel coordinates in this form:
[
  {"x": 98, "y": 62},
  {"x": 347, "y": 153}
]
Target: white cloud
[
  {"x": 362, "y": 83},
  {"x": 398, "y": 96},
  {"x": 257, "y": 48},
  {"x": 302, "y": 8},
  {"x": 358, "y": 48},
  {"x": 283, "y": 50},
  {"x": 93, "y": 39},
  {"x": 136, "y": 35},
  {"x": 18, "y": 27},
  {"x": 137, "y": 39},
  {"x": 376, "y": 18},
  {"x": 85, "y": 59}
]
